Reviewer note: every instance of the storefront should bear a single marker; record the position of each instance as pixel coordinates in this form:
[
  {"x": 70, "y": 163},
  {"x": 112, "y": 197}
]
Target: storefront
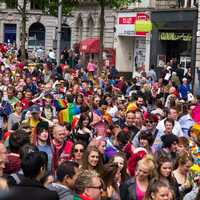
[
  {"x": 173, "y": 37},
  {"x": 132, "y": 48}
]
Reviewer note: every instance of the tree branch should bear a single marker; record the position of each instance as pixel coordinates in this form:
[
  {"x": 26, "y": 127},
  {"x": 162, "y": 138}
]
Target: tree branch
[{"x": 19, "y": 8}]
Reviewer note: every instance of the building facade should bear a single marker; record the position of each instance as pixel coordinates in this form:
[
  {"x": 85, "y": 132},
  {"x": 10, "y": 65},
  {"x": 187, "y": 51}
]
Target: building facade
[
  {"x": 173, "y": 35},
  {"x": 42, "y": 29}
]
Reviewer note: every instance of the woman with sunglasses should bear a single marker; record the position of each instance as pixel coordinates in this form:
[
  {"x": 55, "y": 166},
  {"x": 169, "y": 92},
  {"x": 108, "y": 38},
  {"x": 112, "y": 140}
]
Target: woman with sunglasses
[
  {"x": 78, "y": 152},
  {"x": 150, "y": 126}
]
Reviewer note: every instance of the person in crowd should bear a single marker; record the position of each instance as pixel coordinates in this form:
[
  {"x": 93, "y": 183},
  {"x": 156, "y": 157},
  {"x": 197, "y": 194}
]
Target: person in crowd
[
  {"x": 48, "y": 109},
  {"x": 60, "y": 147},
  {"x": 110, "y": 177},
  {"x": 130, "y": 123},
  {"x": 88, "y": 185},
  {"x": 158, "y": 191},
  {"x": 5, "y": 111},
  {"x": 182, "y": 174},
  {"x": 183, "y": 146},
  {"x": 83, "y": 131},
  {"x": 120, "y": 160},
  {"x": 16, "y": 140},
  {"x": 184, "y": 89},
  {"x": 165, "y": 174},
  {"x": 3, "y": 158},
  {"x": 171, "y": 113},
  {"x": 12, "y": 100},
  {"x": 135, "y": 188},
  {"x": 186, "y": 121},
  {"x": 77, "y": 152},
  {"x": 16, "y": 116},
  {"x": 42, "y": 141},
  {"x": 149, "y": 126},
  {"x": 169, "y": 147},
  {"x": 146, "y": 141},
  {"x": 34, "y": 166},
  {"x": 92, "y": 160},
  {"x": 100, "y": 143},
  {"x": 67, "y": 173}
]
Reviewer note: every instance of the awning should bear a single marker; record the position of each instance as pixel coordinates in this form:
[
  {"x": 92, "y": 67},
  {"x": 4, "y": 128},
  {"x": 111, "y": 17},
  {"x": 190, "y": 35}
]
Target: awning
[{"x": 90, "y": 45}]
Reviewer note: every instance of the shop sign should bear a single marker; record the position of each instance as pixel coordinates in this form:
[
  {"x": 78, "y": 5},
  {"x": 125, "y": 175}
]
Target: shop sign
[
  {"x": 172, "y": 36},
  {"x": 126, "y": 24}
]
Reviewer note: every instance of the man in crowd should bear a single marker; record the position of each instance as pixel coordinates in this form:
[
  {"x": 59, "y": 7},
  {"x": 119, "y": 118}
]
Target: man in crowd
[
  {"x": 88, "y": 185},
  {"x": 34, "y": 167},
  {"x": 66, "y": 173}
]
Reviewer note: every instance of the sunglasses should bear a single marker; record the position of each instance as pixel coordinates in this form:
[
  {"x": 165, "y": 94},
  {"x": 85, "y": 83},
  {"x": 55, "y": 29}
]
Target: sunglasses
[
  {"x": 147, "y": 121},
  {"x": 78, "y": 150},
  {"x": 96, "y": 187}
]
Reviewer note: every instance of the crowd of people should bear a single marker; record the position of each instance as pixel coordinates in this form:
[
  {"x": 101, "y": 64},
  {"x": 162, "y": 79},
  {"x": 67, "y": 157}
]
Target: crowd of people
[{"x": 70, "y": 132}]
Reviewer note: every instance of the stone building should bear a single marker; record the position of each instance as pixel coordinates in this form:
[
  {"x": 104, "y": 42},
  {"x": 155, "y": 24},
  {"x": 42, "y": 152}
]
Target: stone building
[{"x": 42, "y": 29}]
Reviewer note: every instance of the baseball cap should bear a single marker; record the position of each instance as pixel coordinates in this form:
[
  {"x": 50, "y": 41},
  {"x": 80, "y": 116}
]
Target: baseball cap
[{"x": 34, "y": 109}]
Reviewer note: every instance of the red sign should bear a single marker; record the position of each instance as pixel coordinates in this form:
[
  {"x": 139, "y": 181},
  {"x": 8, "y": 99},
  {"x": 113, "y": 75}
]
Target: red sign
[{"x": 127, "y": 20}]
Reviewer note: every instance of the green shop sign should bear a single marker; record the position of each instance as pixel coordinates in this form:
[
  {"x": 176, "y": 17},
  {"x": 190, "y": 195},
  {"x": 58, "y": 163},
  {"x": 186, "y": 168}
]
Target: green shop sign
[{"x": 187, "y": 37}]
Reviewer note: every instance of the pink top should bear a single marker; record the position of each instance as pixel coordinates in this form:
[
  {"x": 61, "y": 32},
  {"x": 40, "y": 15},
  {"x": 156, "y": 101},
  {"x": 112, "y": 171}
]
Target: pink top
[
  {"x": 139, "y": 193},
  {"x": 91, "y": 67}
]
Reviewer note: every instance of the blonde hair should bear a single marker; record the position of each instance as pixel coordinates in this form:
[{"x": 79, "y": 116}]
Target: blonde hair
[{"x": 149, "y": 161}]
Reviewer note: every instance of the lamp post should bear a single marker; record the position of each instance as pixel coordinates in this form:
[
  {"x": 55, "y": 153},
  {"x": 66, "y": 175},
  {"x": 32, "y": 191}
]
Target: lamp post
[{"x": 59, "y": 31}]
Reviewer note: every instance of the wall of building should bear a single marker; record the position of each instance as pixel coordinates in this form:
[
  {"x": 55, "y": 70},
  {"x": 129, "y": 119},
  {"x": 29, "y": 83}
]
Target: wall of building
[
  {"x": 83, "y": 14},
  {"x": 124, "y": 54},
  {"x": 197, "y": 64}
]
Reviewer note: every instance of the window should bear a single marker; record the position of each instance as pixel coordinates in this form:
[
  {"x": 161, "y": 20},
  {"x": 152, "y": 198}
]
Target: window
[
  {"x": 90, "y": 27},
  {"x": 79, "y": 29}
]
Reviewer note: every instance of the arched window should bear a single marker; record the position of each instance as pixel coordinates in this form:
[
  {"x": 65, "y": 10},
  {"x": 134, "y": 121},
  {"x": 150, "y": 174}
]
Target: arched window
[
  {"x": 79, "y": 29},
  {"x": 65, "y": 37},
  {"x": 36, "y": 35},
  {"x": 90, "y": 27}
]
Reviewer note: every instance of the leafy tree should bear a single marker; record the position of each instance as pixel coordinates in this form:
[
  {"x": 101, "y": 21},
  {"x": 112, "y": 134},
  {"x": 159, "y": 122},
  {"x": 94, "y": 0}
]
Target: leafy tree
[{"x": 46, "y": 6}]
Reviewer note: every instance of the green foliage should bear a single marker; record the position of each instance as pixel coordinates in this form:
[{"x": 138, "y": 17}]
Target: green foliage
[
  {"x": 116, "y": 3},
  {"x": 46, "y": 6}
]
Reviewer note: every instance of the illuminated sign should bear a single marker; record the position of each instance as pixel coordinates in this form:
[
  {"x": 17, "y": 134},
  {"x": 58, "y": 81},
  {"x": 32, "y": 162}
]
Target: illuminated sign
[{"x": 172, "y": 36}]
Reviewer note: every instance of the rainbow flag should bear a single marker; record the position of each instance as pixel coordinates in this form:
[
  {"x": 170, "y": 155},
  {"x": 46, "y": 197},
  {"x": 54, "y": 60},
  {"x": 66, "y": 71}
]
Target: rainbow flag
[
  {"x": 60, "y": 104},
  {"x": 66, "y": 115}
]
